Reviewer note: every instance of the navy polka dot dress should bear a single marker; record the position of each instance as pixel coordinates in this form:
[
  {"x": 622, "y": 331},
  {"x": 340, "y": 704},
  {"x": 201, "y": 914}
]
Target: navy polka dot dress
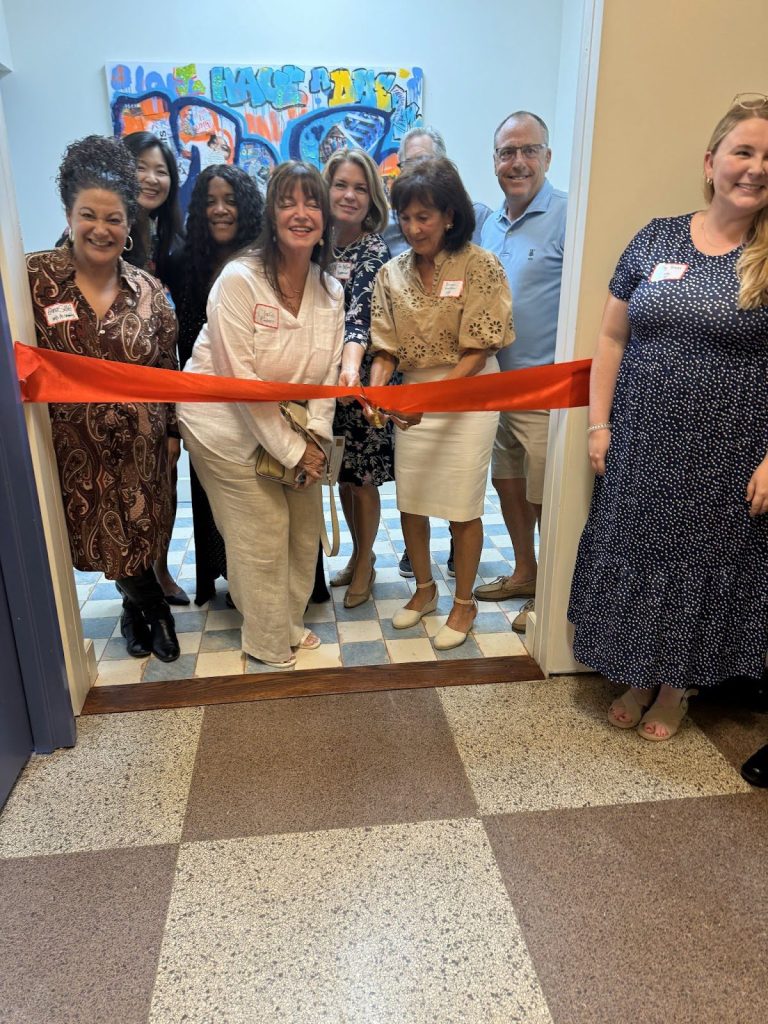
[{"x": 671, "y": 578}]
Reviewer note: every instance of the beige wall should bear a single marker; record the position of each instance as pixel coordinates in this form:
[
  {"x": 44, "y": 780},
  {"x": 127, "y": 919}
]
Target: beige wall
[{"x": 667, "y": 71}]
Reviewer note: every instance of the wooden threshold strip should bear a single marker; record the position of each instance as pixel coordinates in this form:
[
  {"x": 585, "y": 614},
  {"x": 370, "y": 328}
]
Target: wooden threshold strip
[{"x": 185, "y": 693}]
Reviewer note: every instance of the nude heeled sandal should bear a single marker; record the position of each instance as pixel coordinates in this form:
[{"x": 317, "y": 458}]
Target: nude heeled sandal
[
  {"x": 447, "y": 637},
  {"x": 669, "y": 717},
  {"x": 406, "y": 617}
]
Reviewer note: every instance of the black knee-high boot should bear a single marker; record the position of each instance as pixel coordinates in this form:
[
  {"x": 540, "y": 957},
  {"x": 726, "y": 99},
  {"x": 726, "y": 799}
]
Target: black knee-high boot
[{"x": 146, "y": 595}]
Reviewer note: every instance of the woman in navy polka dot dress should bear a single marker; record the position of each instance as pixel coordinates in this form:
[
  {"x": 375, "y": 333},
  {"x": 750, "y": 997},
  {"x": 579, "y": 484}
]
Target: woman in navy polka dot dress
[{"x": 670, "y": 589}]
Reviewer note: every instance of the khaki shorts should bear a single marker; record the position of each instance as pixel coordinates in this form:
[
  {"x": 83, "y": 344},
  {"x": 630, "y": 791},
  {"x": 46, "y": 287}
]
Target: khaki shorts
[{"x": 520, "y": 450}]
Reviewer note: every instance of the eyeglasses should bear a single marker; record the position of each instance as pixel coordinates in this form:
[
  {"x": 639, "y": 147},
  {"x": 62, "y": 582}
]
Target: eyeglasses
[
  {"x": 529, "y": 152},
  {"x": 750, "y": 100}
]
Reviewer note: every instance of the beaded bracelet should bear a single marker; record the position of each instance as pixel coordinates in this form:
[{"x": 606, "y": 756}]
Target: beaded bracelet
[{"x": 598, "y": 426}]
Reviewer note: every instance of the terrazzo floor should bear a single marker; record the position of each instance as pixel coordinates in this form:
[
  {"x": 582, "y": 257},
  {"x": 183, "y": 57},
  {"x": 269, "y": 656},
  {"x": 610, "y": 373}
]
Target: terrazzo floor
[
  {"x": 460, "y": 855},
  {"x": 209, "y": 636}
]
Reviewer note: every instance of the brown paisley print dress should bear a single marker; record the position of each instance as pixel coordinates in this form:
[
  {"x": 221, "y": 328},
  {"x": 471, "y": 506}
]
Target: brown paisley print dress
[{"x": 112, "y": 458}]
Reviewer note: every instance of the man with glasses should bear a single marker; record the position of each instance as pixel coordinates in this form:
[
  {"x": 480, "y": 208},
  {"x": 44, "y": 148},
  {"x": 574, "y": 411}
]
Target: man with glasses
[
  {"x": 416, "y": 144},
  {"x": 527, "y": 233}
]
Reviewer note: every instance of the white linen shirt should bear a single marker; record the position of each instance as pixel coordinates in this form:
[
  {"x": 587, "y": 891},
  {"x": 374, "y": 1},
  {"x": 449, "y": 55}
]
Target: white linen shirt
[{"x": 249, "y": 335}]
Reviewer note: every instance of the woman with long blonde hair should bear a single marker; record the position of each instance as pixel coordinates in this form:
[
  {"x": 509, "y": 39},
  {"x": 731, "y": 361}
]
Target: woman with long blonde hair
[{"x": 670, "y": 590}]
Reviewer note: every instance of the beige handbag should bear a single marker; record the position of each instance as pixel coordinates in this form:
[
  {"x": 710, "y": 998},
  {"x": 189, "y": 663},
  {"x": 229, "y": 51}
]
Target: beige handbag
[{"x": 268, "y": 467}]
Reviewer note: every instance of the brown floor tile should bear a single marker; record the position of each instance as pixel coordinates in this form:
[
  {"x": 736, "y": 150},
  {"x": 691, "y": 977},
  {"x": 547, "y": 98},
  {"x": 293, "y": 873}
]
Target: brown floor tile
[
  {"x": 327, "y": 762},
  {"x": 80, "y": 935},
  {"x": 647, "y": 913},
  {"x": 736, "y": 733}
]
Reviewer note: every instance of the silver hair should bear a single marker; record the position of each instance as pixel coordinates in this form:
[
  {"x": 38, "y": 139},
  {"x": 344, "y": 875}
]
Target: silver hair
[
  {"x": 524, "y": 113},
  {"x": 423, "y": 129}
]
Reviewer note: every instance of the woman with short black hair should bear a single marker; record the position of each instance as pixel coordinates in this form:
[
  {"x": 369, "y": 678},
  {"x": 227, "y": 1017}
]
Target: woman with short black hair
[{"x": 440, "y": 311}]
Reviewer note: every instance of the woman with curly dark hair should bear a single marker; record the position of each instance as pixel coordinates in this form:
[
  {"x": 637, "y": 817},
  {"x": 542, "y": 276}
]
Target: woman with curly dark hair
[
  {"x": 224, "y": 216},
  {"x": 114, "y": 460},
  {"x": 440, "y": 311}
]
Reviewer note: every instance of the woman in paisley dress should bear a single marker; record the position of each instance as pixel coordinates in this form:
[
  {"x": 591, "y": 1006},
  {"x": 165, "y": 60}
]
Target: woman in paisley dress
[
  {"x": 114, "y": 460},
  {"x": 440, "y": 311},
  {"x": 670, "y": 589},
  {"x": 359, "y": 210}
]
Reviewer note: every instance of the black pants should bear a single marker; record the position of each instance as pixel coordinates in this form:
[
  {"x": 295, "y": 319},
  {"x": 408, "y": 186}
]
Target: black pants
[{"x": 143, "y": 593}]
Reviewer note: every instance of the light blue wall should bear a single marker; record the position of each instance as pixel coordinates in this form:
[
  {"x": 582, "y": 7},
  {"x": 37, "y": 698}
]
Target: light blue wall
[{"x": 481, "y": 59}]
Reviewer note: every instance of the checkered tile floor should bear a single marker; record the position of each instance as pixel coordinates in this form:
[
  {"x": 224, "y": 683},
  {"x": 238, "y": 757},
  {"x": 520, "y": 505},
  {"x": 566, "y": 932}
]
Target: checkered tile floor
[
  {"x": 463, "y": 855},
  {"x": 210, "y": 636}
]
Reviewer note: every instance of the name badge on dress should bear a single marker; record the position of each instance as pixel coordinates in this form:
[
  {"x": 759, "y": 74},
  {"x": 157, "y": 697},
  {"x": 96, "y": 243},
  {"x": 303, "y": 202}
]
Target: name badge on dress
[
  {"x": 343, "y": 270},
  {"x": 60, "y": 313},
  {"x": 266, "y": 316},
  {"x": 451, "y": 289},
  {"x": 668, "y": 271}
]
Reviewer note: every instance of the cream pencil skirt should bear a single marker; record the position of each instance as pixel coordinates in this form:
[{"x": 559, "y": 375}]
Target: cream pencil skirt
[
  {"x": 441, "y": 465},
  {"x": 271, "y": 534}
]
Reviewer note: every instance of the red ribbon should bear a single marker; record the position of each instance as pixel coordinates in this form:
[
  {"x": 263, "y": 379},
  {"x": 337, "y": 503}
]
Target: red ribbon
[{"x": 47, "y": 376}]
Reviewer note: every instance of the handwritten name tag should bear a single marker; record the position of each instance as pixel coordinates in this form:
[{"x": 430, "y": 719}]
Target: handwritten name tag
[
  {"x": 343, "y": 270},
  {"x": 451, "y": 289},
  {"x": 266, "y": 316},
  {"x": 668, "y": 271},
  {"x": 60, "y": 313}
]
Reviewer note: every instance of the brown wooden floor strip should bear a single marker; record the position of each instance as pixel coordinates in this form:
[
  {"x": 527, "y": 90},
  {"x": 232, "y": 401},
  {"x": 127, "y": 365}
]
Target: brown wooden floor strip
[{"x": 185, "y": 693}]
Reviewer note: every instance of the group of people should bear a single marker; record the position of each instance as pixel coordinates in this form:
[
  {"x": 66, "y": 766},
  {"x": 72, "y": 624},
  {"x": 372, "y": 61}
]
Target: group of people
[{"x": 323, "y": 283}]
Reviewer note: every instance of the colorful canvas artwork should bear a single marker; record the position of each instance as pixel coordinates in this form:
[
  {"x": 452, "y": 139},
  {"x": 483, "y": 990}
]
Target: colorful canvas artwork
[{"x": 255, "y": 117}]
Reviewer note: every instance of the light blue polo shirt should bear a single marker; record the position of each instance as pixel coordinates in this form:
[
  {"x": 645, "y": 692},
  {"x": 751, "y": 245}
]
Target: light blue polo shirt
[{"x": 531, "y": 251}]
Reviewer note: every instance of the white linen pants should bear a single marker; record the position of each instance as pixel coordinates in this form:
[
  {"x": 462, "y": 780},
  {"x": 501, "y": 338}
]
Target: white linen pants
[{"x": 271, "y": 534}]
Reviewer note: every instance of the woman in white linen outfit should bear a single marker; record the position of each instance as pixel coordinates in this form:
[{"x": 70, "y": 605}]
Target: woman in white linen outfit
[{"x": 273, "y": 314}]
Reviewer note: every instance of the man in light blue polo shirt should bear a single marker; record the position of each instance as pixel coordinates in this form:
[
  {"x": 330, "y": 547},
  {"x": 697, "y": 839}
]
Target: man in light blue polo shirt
[{"x": 527, "y": 233}]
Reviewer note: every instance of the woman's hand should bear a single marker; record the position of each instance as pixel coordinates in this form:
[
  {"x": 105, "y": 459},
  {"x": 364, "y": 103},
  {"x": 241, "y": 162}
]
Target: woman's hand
[
  {"x": 348, "y": 378},
  {"x": 597, "y": 444},
  {"x": 757, "y": 490},
  {"x": 403, "y": 420},
  {"x": 174, "y": 451},
  {"x": 311, "y": 463}
]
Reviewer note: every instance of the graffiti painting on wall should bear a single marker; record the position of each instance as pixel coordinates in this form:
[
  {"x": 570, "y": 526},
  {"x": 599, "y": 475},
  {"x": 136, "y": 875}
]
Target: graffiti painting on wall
[{"x": 254, "y": 117}]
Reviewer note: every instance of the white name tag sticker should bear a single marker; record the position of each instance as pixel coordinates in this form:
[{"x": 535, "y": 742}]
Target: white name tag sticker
[
  {"x": 60, "y": 313},
  {"x": 343, "y": 270},
  {"x": 266, "y": 316},
  {"x": 668, "y": 271},
  {"x": 451, "y": 289}
]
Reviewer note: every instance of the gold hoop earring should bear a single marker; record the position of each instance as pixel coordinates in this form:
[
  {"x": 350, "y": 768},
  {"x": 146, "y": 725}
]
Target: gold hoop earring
[{"x": 126, "y": 247}]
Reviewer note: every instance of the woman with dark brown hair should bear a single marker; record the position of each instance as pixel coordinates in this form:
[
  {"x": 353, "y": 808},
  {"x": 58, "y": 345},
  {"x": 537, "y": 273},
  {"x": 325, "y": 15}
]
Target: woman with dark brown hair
[
  {"x": 273, "y": 314},
  {"x": 440, "y": 311}
]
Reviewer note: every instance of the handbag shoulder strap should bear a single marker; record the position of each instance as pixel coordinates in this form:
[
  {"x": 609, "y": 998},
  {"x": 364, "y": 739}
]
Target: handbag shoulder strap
[{"x": 330, "y": 547}]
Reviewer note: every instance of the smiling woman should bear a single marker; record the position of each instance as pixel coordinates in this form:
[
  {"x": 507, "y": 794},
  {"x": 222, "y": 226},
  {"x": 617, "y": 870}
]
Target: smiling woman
[
  {"x": 114, "y": 460},
  {"x": 225, "y": 213},
  {"x": 273, "y": 314},
  {"x": 670, "y": 589}
]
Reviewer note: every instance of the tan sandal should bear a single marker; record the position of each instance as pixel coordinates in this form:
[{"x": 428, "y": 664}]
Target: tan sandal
[
  {"x": 629, "y": 703},
  {"x": 309, "y": 641},
  {"x": 669, "y": 717}
]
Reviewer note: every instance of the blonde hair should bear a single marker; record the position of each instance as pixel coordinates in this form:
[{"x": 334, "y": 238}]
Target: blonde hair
[
  {"x": 377, "y": 217},
  {"x": 752, "y": 265}
]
